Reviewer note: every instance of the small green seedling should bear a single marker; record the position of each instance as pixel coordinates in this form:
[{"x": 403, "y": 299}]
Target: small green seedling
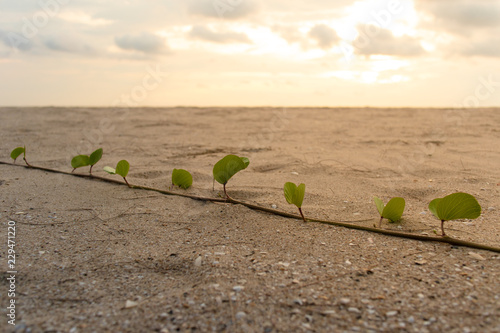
[
  {"x": 85, "y": 160},
  {"x": 17, "y": 152},
  {"x": 455, "y": 206},
  {"x": 294, "y": 195},
  {"x": 182, "y": 178},
  {"x": 121, "y": 169},
  {"x": 228, "y": 167},
  {"x": 392, "y": 211}
]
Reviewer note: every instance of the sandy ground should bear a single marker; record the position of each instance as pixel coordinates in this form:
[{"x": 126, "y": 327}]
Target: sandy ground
[{"x": 98, "y": 257}]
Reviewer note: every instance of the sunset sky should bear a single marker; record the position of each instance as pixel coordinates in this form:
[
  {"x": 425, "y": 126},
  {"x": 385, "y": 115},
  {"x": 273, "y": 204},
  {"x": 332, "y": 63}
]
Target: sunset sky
[{"x": 250, "y": 53}]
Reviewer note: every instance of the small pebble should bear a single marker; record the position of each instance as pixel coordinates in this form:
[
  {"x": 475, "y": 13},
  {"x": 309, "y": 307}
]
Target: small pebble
[
  {"x": 391, "y": 313},
  {"x": 240, "y": 315},
  {"x": 328, "y": 312},
  {"x": 491, "y": 208},
  {"x": 295, "y": 173},
  {"x": 345, "y": 301},
  {"x": 353, "y": 310},
  {"x": 273, "y": 206},
  {"x": 238, "y": 288},
  {"x": 298, "y": 301},
  {"x": 197, "y": 262},
  {"x": 130, "y": 304},
  {"x": 476, "y": 256}
]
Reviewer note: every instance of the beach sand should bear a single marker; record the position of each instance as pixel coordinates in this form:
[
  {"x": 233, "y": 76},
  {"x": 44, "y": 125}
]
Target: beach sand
[{"x": 99, "y": 257}]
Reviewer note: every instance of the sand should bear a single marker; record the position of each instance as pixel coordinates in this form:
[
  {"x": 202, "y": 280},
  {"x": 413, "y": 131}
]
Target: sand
[{"x": 98, "y": 257}]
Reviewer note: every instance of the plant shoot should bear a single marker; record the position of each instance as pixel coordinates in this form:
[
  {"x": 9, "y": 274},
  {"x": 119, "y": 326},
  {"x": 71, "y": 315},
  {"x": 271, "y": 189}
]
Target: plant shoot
[
  {"x": 454, "y": 207},
  {"x": 227, "y": 167},
  {"x": 294, "y": 195},
  {"x": 392, "y": 211},
  {"x": 121, "y": 169}
]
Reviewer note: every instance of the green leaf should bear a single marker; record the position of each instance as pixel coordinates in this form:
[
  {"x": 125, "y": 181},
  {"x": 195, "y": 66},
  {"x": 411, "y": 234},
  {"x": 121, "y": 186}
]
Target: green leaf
[
  {"x": 228, "y": 167},
  {"x": 458, "y": 206},
  {"x": 122, "y": 168},
  {"x": 80, "y": 161},
  {"x": 294, "y": 194},
  {"x": 433, "y": 206},
  {"x": 16, "y": 152},
  {"x": 182, "y": 178},
  {"x": 109, "y": 170},
  {"x": 95, "y": 156},
  {"x": 394, "y": 209},
  {"x": 380, "y": 205}
]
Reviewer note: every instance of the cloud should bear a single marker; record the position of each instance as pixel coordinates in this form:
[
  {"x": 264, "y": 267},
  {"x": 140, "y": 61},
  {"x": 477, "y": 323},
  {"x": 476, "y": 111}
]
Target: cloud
[
  {"x": 486, "y": 48},
  {"x": 461, "y": 16},
  {"x": 375, "y": 40},
  {"x": 15, "y": 40},
  {"x": 325, "y": 36},
  {"x": 203, "y": 33},
  {"x": 469, "y": 27},
  {"x": 66, "y": 43},
  {"x": 144, "y": 42},
  {"x": 224, "y": 9}
]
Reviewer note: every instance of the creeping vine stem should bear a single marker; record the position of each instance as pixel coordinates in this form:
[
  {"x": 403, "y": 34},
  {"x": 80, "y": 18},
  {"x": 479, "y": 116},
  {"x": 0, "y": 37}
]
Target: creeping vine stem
[{"x": 345, "y": 224}]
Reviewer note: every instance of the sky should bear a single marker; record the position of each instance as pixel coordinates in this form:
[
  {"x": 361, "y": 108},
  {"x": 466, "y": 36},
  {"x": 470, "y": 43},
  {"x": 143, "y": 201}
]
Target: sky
[{"x": 381, "y": 53}]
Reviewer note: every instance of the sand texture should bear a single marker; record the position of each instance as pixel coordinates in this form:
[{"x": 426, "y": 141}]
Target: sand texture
[{"x": 99, "y": 257}]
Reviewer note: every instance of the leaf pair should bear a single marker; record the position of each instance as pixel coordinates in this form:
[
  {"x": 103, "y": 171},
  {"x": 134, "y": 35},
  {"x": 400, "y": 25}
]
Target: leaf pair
[
  {"x": 295, "y": 195},
  {"x": 16, "y": 152},
  {"x": 227, "y": 167},
  {"x": 122, "y": 169},
  {"x": 392, "y": 211},
  {"x": 85, "y": 160},
  {"x": 455, "y": 206}
]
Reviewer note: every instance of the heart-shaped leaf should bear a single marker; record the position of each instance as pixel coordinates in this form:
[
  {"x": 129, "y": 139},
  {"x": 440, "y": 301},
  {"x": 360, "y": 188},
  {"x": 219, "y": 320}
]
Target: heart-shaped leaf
[
  {"x": 294, "y": 194},
  {"x": 455, "y": 206},
  {"x": 380, "y": 205},
  {"x": 228, "y": 167},
  {"x": 110, "y": 170},
  {"x": 17, "y": 152},
  {"x": 182, "y": 178},
  {"x": 394, "y": 209},
  {"x": 80, "y": 161},
  {"x": 122, "y": 168},
  {"x": 95, "y": 156}
]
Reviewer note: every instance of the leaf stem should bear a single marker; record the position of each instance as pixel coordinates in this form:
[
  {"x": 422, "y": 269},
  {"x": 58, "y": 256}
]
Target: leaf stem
[
  {"x": 380, "y": 222},
  {"x": 442, "y": 228},
  {"x": 24, "y": 157},
  {"x": 125, "y": 179},
  {"x": 300, "y": 211},
  {"x": 26, "y": 161}
]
